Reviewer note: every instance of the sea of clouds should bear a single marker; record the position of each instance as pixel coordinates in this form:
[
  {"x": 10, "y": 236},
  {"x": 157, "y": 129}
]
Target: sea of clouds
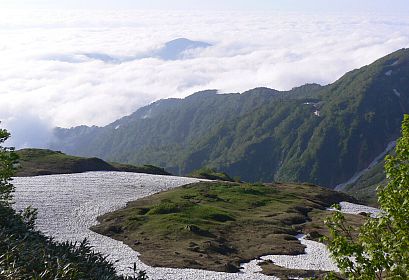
[{"x": 54, "y": 71}]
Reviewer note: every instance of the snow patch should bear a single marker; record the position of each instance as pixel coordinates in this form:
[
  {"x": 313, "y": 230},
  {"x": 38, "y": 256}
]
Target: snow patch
[
  {"x": 147, "y": 115},
  {"x": 311, "y": 103},
  {"x": 395, "y": 62},
  {"x": 397, "y": 93},
  {"x": 388, "y": 73},
  {"x": 315, "y": 105},
  {"x": 316, "y": 257},
  {"x": 69, "y": 204},
  {"x": 355, "y": 209},
  {"x": 118, "y": 126}
]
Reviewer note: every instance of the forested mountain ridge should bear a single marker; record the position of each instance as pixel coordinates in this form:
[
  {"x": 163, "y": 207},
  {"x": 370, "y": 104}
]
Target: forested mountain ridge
[{"x": 317, "y": 134}]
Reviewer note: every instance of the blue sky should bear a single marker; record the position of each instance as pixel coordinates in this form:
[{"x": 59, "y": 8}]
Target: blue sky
[{"x": 347, "y": 6}]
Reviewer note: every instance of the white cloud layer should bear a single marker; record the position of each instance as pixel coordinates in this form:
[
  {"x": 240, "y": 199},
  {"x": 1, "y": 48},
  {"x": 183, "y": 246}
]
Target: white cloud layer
[{"x": 46, "y": 79}]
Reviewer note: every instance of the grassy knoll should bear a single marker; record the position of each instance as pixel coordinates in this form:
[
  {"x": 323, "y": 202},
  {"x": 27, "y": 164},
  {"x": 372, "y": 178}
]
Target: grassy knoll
[
  {"x": 217, "y": 225},
  {"x": 33, "y": 162},
  {"x": 210, "y": 174}
]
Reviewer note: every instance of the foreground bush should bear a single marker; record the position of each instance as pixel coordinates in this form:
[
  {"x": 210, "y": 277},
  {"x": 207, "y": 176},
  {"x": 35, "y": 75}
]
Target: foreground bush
[
  {"x": 381, "y": 249},
  {"x": 27, "y": 254}
]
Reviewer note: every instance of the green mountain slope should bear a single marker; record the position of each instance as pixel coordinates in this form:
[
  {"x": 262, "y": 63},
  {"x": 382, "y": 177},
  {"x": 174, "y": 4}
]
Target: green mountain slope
[
  {"x": 316, "y": 134},
  {"x": 33, "y": 162}
]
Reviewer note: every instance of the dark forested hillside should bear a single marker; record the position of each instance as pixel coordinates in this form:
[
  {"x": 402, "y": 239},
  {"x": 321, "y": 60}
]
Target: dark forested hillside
[{"x": 314, "y": 134}]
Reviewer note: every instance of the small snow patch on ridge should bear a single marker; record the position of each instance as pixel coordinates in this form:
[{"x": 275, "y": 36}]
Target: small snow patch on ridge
[
  {"x": 388, "y": 73},
  {"x": 395, "y": 62},
  {"x": 147, "y": 115},
  {"x": 397, "y": 93}
]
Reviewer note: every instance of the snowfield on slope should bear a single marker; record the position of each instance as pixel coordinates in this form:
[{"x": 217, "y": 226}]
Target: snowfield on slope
[
  {"x": 68, "y": 206},
  {"x": 316, "y": 257},
  {"x": 356, "y": 209}
]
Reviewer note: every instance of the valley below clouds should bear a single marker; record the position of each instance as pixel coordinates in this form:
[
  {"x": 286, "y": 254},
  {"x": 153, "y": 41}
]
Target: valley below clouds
[{"x": 67, "y": 68}]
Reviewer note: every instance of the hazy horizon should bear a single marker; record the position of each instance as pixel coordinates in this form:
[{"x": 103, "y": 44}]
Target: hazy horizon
[{"x": 337, "y": 6}]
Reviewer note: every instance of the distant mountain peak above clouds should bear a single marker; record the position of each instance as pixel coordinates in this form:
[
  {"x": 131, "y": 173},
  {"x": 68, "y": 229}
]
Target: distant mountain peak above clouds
[
  {"x": 177, "y": 49},
  {"x": 180, "y": 48}
]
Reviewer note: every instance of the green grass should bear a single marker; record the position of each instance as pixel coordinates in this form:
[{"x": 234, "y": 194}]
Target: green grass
[
  {"x": 210, "y": 174},
  {"x": 217, "y": 225}
]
